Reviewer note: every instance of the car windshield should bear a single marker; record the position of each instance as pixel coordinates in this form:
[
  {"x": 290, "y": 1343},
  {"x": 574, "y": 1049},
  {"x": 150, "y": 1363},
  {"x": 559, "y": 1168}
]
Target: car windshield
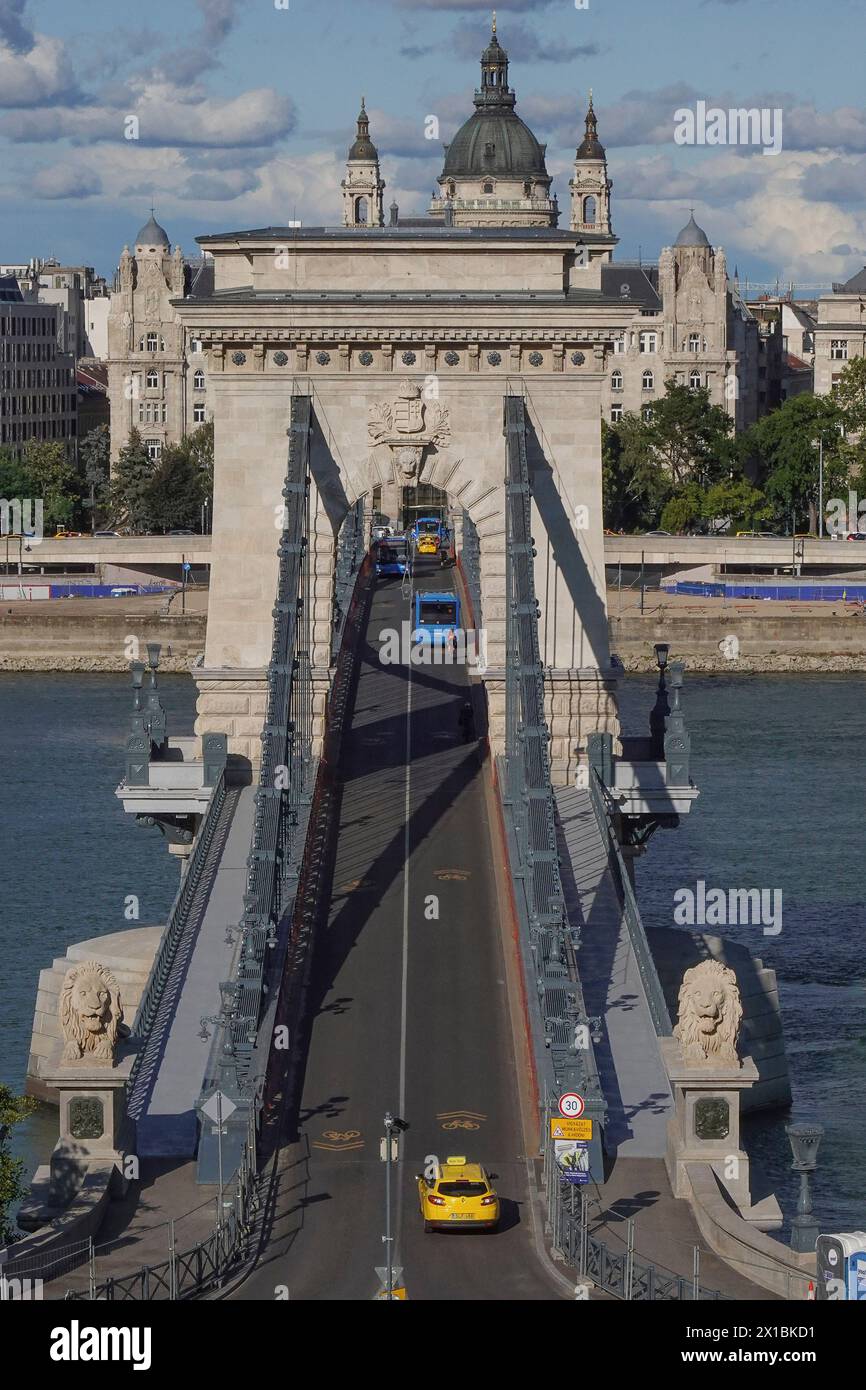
[{"x": 462, "y": 1188}]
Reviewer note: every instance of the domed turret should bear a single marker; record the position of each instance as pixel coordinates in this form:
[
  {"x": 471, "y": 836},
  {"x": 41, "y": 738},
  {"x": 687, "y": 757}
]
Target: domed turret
[
  {"x": 692, "y": 235},
  {"x": 495, "y": 155},
  {"x": 152, "y": 235}
]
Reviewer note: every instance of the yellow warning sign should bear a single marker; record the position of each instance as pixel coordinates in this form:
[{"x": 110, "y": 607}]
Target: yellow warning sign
[{"x": 570, "y": 1129}]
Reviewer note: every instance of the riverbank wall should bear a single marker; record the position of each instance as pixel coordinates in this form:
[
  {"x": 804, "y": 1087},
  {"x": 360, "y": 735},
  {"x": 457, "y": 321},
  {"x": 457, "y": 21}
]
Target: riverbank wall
[{"x": 32, "y": 639}]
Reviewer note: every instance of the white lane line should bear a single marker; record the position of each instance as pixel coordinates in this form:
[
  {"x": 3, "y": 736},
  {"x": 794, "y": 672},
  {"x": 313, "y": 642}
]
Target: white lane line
[{"x": 404, "y": 992}]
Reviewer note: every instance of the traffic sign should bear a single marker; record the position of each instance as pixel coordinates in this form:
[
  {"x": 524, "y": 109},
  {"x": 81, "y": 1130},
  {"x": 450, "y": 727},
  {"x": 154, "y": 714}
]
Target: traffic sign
[
  {"x": 571, "y": 1129},
  {"x": 219, "y": 1107},
  {"x": 571, "y": 1105}
]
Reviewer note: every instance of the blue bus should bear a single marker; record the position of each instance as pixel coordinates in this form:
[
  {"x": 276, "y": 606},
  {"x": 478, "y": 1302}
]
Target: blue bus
[
  {"x": 437, "y": 618},
  {"x": 391, "y": 556}
]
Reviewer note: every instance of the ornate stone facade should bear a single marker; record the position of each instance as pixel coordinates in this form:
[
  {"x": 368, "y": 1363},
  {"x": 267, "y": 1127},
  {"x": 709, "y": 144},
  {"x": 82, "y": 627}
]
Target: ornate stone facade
[{"x": 157, "y": 382}]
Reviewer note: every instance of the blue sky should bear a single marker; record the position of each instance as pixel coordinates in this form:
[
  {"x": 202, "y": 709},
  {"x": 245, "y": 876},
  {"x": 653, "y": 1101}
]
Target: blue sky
[{"x": 245, "y": 111}]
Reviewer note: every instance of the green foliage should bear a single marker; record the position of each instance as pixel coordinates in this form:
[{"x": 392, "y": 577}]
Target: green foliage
[
  {"x": 94, "y": 453},
  {"x": 688, "y": 436},
  {"x": 785, "y": 444},
  {"x": 747, "y": 507},
  {"x": 13, "y": 1109},
  {"x": 684, "y": 510},
  {"x": 129, "y": 497},
  {"x": 15, "y": 481},
  {"x": 849, "y": 396},
  {"x": 173, "y": 495},
  {"x": 54, "y": 479}
]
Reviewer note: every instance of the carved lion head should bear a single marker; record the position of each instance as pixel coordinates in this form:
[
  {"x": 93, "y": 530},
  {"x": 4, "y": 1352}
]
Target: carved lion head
[
  {"x": 709, "y": 1013},
  {"x": 91, "y": 1012}
]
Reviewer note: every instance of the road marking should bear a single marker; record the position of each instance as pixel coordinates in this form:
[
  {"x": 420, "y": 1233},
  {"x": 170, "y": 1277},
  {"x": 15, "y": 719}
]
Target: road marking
[
  {"x": 457, "y": 875},
  {"x": 339, "y": 1140}
]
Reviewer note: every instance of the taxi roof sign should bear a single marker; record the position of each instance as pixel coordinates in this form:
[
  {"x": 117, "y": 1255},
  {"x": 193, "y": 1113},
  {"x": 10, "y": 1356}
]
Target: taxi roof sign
[{"x": 455, "y": 1159}]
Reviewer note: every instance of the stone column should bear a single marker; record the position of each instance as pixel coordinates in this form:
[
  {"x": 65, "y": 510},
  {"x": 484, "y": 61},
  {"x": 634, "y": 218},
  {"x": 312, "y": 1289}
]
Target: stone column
[
  {"x": 322, "y": 556},
  {"x": 577, "y": 703}
]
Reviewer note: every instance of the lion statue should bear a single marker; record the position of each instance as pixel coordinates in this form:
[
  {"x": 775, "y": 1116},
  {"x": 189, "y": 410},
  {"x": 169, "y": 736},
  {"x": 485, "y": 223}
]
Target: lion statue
[
  {"x": 709, "y": 1013},
  {"x": 91, "y": 1013}
]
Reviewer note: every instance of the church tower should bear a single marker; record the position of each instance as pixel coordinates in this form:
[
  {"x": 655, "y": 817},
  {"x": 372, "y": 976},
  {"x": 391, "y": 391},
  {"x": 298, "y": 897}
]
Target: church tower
[
  {"x": 363, "y": 186},
  {"x": 590, "y": 187}
]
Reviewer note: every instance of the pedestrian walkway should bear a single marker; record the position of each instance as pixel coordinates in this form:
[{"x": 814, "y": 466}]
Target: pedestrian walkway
[
  {"x": 633, "y": 1078},
  {"x": 166, "y": 1122}
]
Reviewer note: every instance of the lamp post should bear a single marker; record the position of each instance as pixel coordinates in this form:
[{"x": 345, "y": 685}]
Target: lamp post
[
  {"x": 821, "y": 486},
  {"x": 804, "y": 1141},
  {"x": 389, "y": 1254},
  {"x": 660, "y": 709}
]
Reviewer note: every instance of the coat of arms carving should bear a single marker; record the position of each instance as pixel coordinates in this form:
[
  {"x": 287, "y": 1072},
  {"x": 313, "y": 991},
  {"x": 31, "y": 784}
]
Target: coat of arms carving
[{"x": 407, "y": 426}]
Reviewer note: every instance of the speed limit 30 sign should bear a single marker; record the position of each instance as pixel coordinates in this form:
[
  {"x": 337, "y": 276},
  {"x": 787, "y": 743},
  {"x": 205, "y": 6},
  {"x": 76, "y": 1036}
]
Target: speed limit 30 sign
[{"x": 571, "y": 1105}]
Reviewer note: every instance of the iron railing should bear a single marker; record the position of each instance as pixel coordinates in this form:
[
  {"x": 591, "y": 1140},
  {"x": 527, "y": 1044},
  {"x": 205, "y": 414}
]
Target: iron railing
[
  {"x": 350, "y": 552},
  {"x": 284, "y": 789},
  {"x": 179, "y": 919},
  {"x": 622, "y": 1273},
  {"x": 565, "y": 1059},
  {"x": 631, "y": 912},
  {"x": 470, "y": 563},
  {"x": 206, "y": 1265}
]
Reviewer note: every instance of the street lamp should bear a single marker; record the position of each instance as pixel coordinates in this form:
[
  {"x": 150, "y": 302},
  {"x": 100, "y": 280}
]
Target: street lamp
[
  {"x": 660, "y": 709},
  {"x": 804, "y": 1141}
]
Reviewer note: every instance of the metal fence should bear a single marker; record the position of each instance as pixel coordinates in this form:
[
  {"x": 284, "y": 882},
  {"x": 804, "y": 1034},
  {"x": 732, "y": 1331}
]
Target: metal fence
[
  {"x": 561, "y": 1031},
  {"x": 206, "y": 1265},
  {"x": 622, "y": 1273}
]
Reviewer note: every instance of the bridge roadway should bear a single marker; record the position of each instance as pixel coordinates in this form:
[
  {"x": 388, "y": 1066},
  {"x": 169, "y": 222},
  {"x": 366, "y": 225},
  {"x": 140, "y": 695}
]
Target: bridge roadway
[
  {"x": 728, "y": 550},
  {"x": 408, "y": 1014}
]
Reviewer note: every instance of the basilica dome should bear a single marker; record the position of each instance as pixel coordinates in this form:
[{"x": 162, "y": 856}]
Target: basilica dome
[{"x": 494, "y": 140}]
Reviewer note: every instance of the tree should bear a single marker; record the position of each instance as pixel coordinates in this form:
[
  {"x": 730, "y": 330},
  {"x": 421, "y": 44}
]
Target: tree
[
  {"x": 689, "y": 437},
  {"x": 174, "y": 492},
  {"x": 786, "y": 445},
  {"x": 849, "y": 395},
  {"x": 94, "y": 453},
  {"x": 15, "y": 481},
  {"x": 736, "y": 498},
  {"x": 13, "y": 1109},
  {"x": 54, "y": 479},
  {"x": 684, "y": 510},
  {"x": 130, "y": 496}
]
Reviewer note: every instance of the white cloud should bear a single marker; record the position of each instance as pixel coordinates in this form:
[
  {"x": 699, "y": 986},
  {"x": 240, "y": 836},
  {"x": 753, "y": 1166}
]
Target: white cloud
[{"x": 32, "y": 79}]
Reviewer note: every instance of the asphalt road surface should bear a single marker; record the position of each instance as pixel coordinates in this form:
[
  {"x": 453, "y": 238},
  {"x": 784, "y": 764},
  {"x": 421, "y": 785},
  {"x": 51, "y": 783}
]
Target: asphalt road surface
[{"x": 410, "y": 1010}]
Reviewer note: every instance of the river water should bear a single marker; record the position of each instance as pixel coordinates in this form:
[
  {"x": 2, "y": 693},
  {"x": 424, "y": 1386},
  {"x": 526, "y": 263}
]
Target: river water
[{"x": 780, "y": 766}]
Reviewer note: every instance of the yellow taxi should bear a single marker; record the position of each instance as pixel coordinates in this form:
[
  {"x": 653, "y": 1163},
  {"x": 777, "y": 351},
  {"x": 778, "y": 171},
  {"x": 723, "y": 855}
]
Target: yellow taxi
[
  {"x": 428, "y": 545},
  {"x": 458, "y": 1195}
]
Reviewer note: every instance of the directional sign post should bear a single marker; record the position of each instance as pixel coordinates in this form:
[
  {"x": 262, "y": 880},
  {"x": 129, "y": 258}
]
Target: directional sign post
[{"x": 218, "y": 1107}]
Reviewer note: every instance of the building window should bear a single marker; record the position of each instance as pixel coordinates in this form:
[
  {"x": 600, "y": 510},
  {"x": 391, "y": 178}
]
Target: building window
[
  {"x": 152, "y": 342},
  {"x": 694, "y": 342},
  {"x": 615, "y": 413},
  {"x": 151, "y": 381},
  {"x": 362, "y": 212},
  {"x": 616, "y": 381},
  {"x": 648, "y": 381},
  {"x": 154, "y": 449},
  {"x": 198, "y": 413},
  {"x": 589, "y": 210},
  {"x": 198, "y": 381},
  {"x": 619, "y": 343},
  {"x": 487, "y": 187},
  {"x": 648, "y": 342},
  {"x": 839, "y": 349},
  {"x": 694, "y": 380}
]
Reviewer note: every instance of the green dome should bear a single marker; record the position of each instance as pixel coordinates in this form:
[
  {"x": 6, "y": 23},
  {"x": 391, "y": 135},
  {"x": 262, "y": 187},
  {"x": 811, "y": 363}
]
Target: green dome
[{"x": 515, "y": 150}]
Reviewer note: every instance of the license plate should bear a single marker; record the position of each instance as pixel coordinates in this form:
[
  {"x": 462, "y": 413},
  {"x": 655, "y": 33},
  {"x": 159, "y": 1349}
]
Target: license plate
[{"x": 462, "y": 1216}]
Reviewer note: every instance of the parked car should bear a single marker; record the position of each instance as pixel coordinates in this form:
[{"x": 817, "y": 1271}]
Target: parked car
[
  {"x": 180, "y": 532},
  {"x": 124, "y": 591},
  {"x": 106, "y": 535}
]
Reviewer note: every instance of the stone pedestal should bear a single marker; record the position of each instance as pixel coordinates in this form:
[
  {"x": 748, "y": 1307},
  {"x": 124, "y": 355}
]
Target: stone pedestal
[
  {"x": 576, "y": 703},
  {"x": 705, "y": 1128},
  {"x": 92, "y": 1102},
  {"x": 234, "y": 703}
]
